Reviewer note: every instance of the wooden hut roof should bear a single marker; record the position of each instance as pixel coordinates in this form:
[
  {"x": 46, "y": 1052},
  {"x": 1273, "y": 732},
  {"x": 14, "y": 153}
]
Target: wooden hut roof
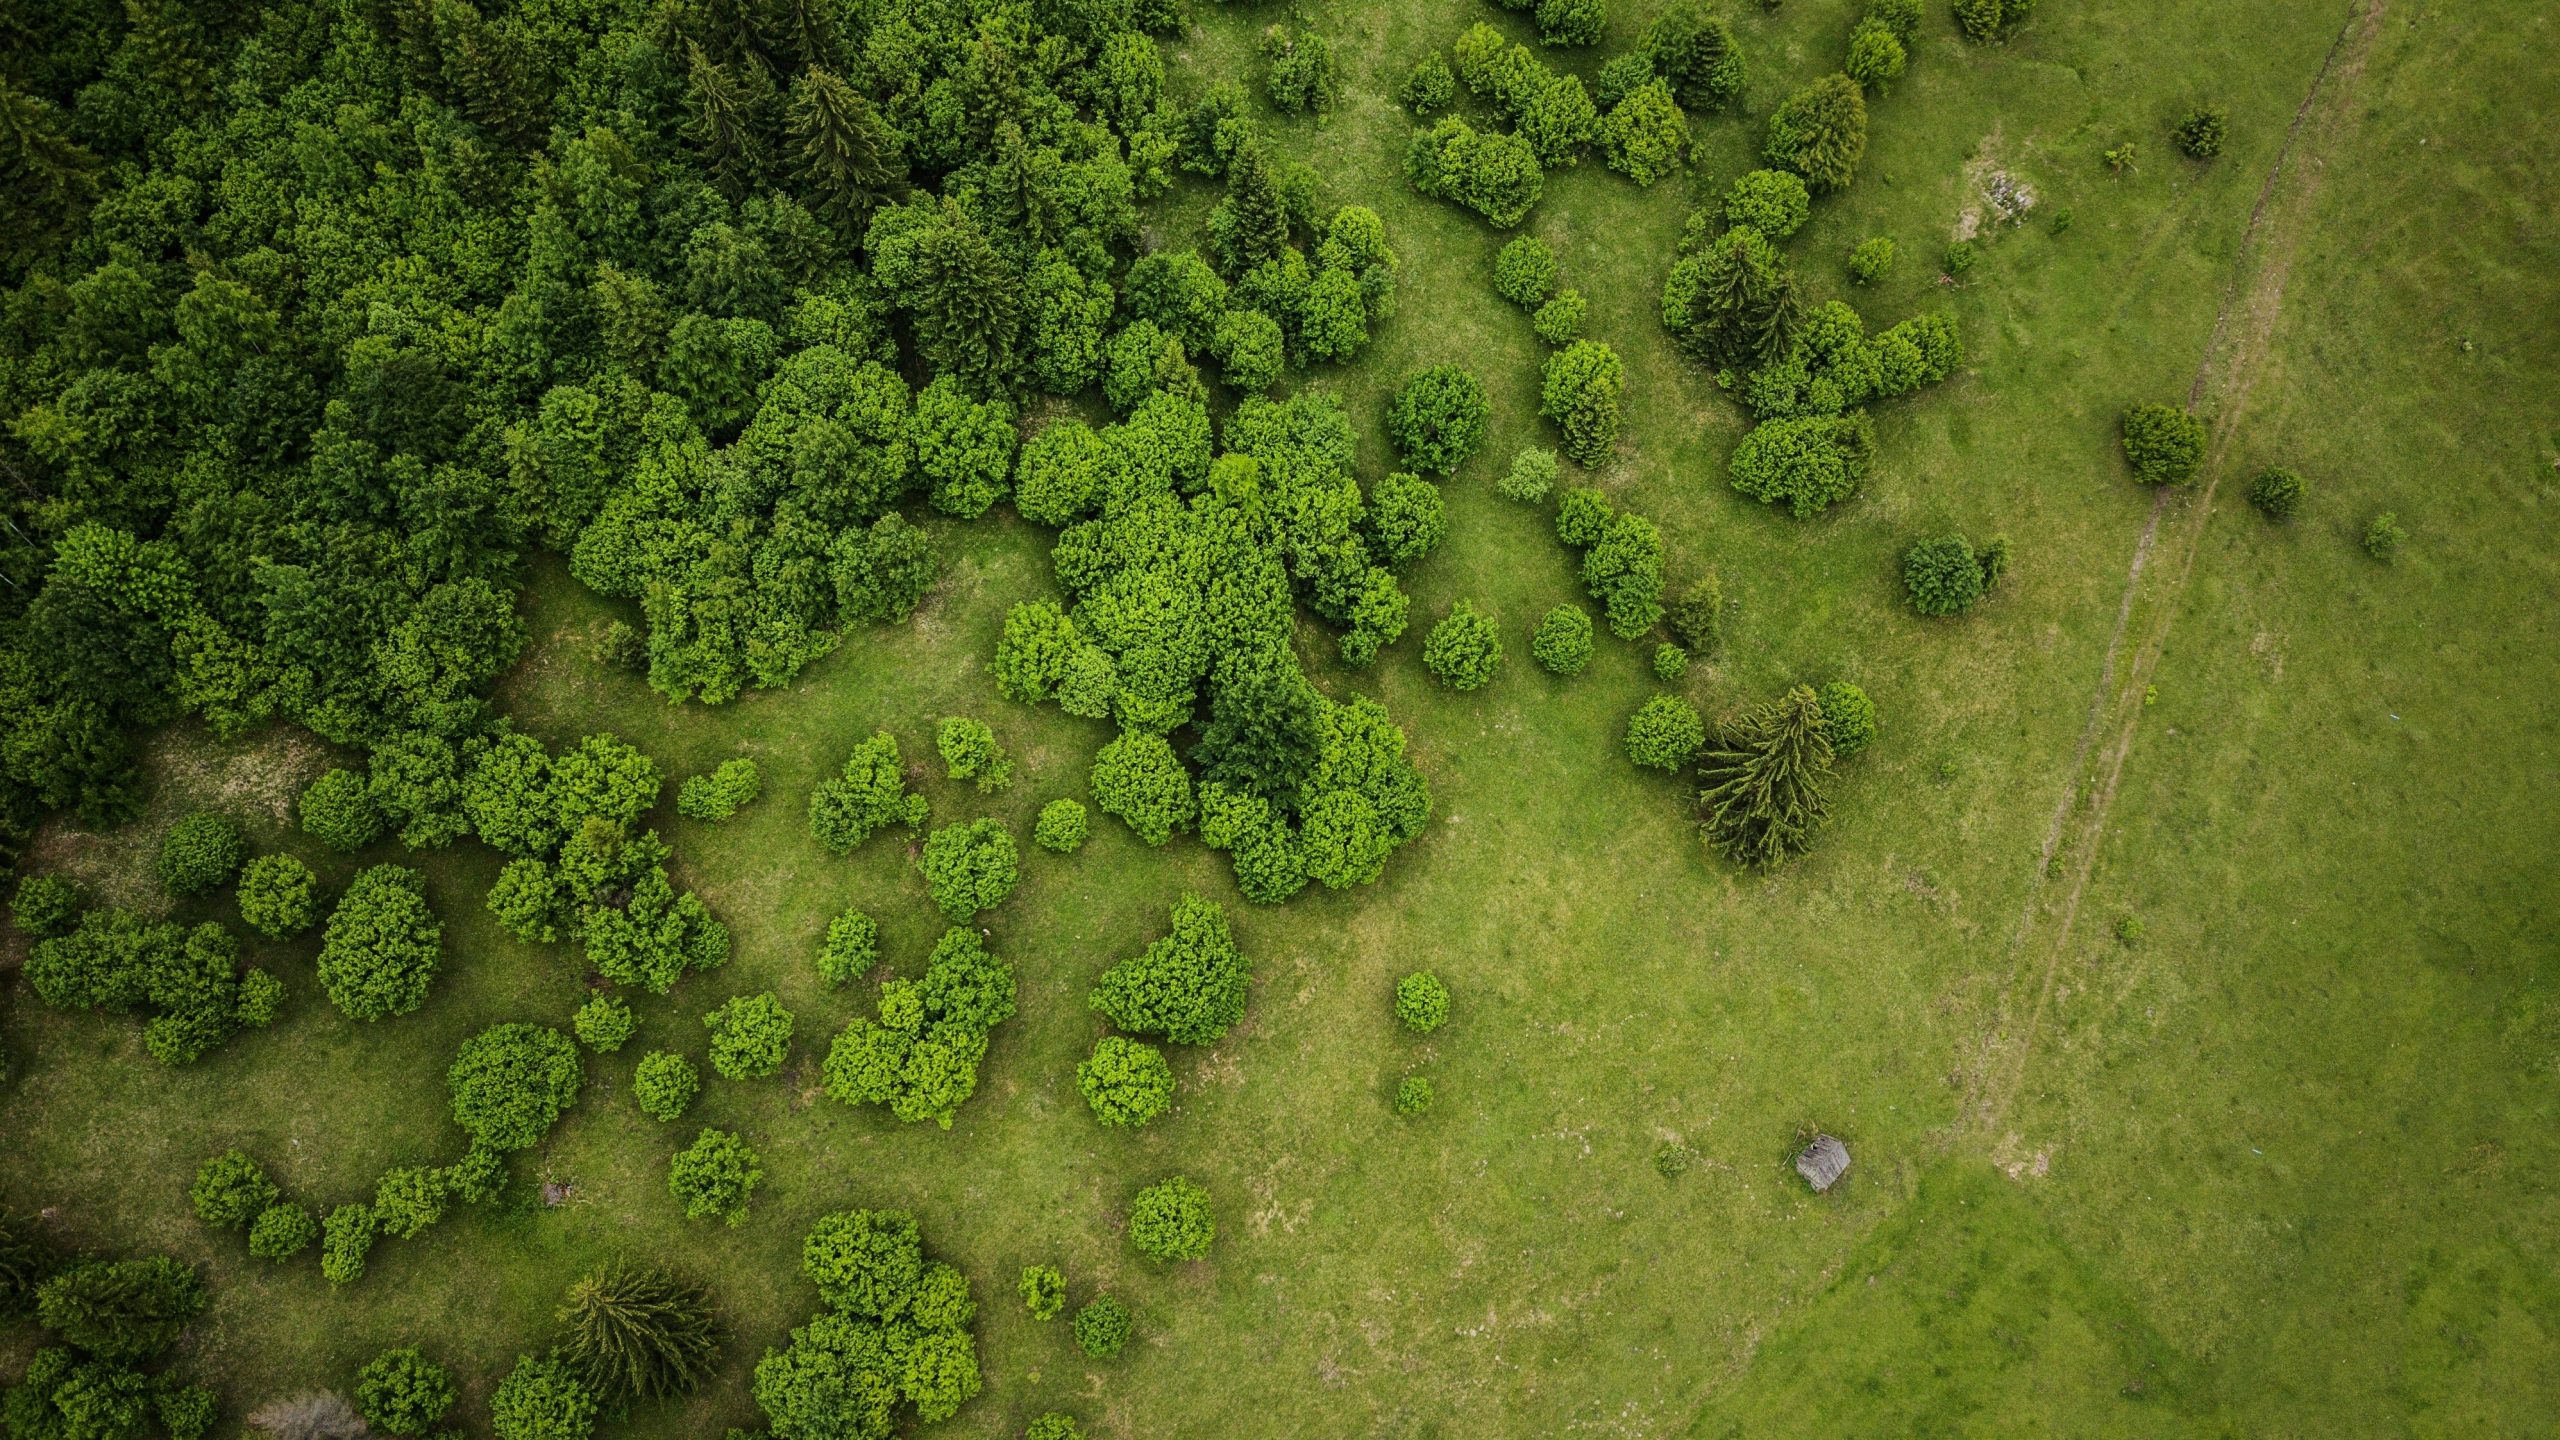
[{"x": 1823, "y": 1162}]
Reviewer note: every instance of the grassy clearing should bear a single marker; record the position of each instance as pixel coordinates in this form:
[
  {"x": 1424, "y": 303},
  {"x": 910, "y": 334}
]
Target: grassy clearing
[{"x": 2274, "y": 1162}]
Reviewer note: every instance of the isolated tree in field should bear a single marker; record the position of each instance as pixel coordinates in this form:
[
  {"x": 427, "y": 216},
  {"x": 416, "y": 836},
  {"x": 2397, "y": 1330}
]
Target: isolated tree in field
[
  {"x": 664, "y": 1083},
  {"x": 1763, "y": 778},
  {"x": 1665, "y": 733},
  {"x": 1102, "y": 1327},
  {"x": 1465, "y": 649},
  {"x": 969, "y": 868},
  {"x": 1127, "y": 1082},
  {"x": 631, "y": 1332},
  {"x": 1189, "y": 986},
  {"x": 201, "y": 853},
  {"x": 510, "y": 1084},
  {"x": 402, "y": 1392},
  {"x": 1043, "y": 1289},
  {"x": 1171, "y": 1220},
  {"x": 1438, "y": 418},
  {"x": 1580, "y": 395},
  {"x": 380, "y": 952},
  {"x": 1422, "y": 1002},
  {"x": 2163, "y": 443},
  {"x": 278, "y": 896},
  {"x": 1697, "y": 617},
  {"x": 1820, "y": 132},
  {"x": 1562, "y": 642},
  {"x": 2277, "y": 492},
  {"x": 715, "y": 1176},
  {"x": 541, "y": 1400},
  {"x": 230, "y": 1190},
  {"x": 750, "y": 1036}
]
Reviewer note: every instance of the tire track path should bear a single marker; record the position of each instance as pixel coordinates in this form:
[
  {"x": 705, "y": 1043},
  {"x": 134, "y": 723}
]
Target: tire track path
[{"x": 2235, "y": 352}]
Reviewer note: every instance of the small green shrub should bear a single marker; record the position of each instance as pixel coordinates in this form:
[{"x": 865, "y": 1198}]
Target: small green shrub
[
  {"x": 279, "y": 896},
  {"x": 2383, "y": 536},
  {"x": 1773, "y": 202},
  {"x": 346, "y": 1237},
  {"x": 1665, "y": 733},
  {"x": 750, "y": 1036},
  {"x": 969, "y": 868},
  {"x": 1872, "y": 260},
  {"x": 1062, "y": 826},
  {"x": 2277, "y": 492},
  {"x": 1043, "y": 1290},
  {"x": 726, "y": 789},
  {"x": 1126, "y": 1082},
  {"x": 1422, "y": 1002},
  {"x": 1170, "y": 1220},
  {"x": 1055, "y": 1425},
  {"x": 1672, "y": 1159},
  {"x": 541, "y": 1400},
  {"x": 1429, "y": 87},
  {"x": 1531, "y": 476},
  {"x": 1413, "y": 1095},
  {"x": 230, "y": 1190},
  {"x": 1670, "y": 663},
  {"x": 1960, "y": 257},
  {"x": 1562, "y": 642},
  {"x": 402, "y": 1392},
  {"x": 1437, "y": 420},
  {"x": 282, "y": 1231},
  {"x": 1559, "y": 321},
  {"x": 604, "y": 1024},
  {"x": 2201, "y": 133},
  {"x": 1465, "y": 649},
  {"x": 1102, "y": 1327},
  {"x": 852, "y": 947},
  {"x": 1876, "y": 55},
  {"x": 1697, "y": 617},
  {"x": 201, "y": 852},
  {"x": 1524, "y": 272},
  {"x": 1582, "y": 516},
  {"x": 1942, "y": 576},
  {"x": 2164, "y": 444},
  {"x": 969, "y": 752},
  {"x": 1580, "y": 392},
  {"x": 715, "y": 1176},
  {"x": 261, "y": 999},
  {"x": 43, "y": 906},
  {"x": 665, "y": 1083},
  {"x": 338, "y": 811},
  {"x": 1848, "y": 718}
]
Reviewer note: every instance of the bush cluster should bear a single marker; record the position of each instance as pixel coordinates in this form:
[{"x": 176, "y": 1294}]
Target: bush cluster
[
  {"x": 895, "y": 1329},
  {"x": 750, "y": 1036},
  {"x": 1102, "y": 1327},
  {"x": 919, "y": 1057},
  {"x": 969, "y": 868},
  {"x": 715, "y": 1176},
  {"x": 1947, "y": 576},
  {"x": 1043, "y": 1289},
  {"x": 1171, "y": 1220},
  {"x": 722, "y": 791},
  {"x": 969, "y": 752},
  {"x": 1437, "y": 419}
]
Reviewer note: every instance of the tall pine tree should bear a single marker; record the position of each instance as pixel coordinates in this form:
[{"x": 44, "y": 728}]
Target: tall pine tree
[
  {"x": 1251, "y": 225},
  {"x": 849, "y": 158},
  {"x": 722, "y": 123},
  {"x": 1762, "y": 797},
  {"x": 967, "y": 305},
  {"x": 1735, "y": 302}
]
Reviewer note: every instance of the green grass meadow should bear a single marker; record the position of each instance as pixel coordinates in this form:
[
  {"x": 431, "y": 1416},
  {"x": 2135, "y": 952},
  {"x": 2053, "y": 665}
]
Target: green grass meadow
[{"x": 2278, "y": 1164}]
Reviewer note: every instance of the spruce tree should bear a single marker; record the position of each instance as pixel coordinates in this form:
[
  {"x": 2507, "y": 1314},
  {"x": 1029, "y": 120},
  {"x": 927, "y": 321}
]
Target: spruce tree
[
  {"x": 46, "y": 174},
  {"x": 1821, "y": 132},
  {"x": 968, "y": 304},
  {"x": 721, "y": 122},
  {"x": 639, "y": 1334},
  {"x": 1742, "y": 306},
  {"x": 849, "y": 159},
  {"x": 1762, "y": 797},
  {"x": 1250, "y": 226}
]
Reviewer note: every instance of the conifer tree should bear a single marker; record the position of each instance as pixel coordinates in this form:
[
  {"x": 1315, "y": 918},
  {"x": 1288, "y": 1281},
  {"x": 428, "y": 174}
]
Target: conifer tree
[
  {"x": 1251, "y": 225},
  {"x": 721, "y": 123},
  {"x": 849, "y": 159},
  {"x": 46, "y": 174},
  {"x": 1735, "y": 302},
  {"x": 1762, "y": 797},
  {"x": 968, "y": 304},
  {"x": 1821, "y": 132},
  {"x": 639, "y": 1334}
]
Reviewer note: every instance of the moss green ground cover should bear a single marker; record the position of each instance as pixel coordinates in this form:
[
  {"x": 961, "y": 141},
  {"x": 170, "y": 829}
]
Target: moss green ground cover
[{"x": 2277, "y": 1165}]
